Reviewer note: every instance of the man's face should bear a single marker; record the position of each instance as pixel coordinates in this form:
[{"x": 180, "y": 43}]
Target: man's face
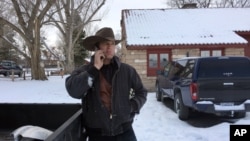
[{"x": 108, "y": 48}]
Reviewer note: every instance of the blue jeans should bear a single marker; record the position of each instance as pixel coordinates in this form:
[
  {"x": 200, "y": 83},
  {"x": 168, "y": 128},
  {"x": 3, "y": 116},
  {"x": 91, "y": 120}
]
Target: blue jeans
[{"x": 126, "y": 136}]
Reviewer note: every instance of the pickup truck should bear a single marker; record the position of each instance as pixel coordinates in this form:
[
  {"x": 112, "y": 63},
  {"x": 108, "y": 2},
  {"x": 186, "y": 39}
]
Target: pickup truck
[
  {"x": 7, "y": 67},
  {"x": 63, "y": 120},
  {"x": 217, "y": 85}
]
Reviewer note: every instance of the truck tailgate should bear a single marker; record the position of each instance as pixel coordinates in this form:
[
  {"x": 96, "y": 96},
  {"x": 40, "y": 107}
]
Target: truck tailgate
[{"x": 224, "y": 90}]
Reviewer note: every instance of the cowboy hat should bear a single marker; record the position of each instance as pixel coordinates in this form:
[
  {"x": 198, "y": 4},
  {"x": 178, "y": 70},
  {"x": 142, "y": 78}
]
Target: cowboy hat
[{"x": 103, "y": 34}]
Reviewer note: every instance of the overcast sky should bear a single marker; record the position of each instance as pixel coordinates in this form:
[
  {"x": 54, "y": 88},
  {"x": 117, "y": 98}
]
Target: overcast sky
[{"x": 114, "y": 7}]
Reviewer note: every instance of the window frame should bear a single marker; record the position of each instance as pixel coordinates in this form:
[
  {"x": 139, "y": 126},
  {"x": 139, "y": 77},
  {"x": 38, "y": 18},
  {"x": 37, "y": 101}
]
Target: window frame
[
  {"x": 158, "y": 52},
  {"x": 211, "y": 52}
]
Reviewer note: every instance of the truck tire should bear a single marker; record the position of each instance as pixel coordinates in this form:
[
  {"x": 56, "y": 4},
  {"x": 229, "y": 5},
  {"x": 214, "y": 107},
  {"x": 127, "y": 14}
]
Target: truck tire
[
  {"x": 7, "y": 74},
  {"x": 20, "y": 74},
  {"x": 158, "y": 93},
  {"x": 181, "y": 110}
]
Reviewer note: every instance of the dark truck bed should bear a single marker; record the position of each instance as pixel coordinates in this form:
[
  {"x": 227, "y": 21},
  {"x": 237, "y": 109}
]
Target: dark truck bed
[{"x": 63, "y": 119}]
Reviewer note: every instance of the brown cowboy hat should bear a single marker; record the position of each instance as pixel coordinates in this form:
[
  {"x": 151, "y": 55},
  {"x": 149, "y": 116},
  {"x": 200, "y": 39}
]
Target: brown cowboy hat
[{"x": 103, "y": 34}]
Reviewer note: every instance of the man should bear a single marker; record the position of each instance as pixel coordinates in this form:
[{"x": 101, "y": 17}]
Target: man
[{"x": 111, "y": 91}]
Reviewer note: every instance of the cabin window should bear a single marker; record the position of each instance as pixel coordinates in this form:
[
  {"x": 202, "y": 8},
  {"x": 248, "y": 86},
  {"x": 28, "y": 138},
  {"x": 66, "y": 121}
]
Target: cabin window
[
  {"x": 156, "y": 61},
  {"x": 206, "y": 53},
  {"x": 152, "y": 63}
]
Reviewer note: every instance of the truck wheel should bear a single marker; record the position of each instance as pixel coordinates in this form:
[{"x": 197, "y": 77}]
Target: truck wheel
[
  {"x": 20, "y": 74},
  {"x": 158, "y": 93},
  {"x": 181, "y": 110},
  {"x": 7, "y": 74}
]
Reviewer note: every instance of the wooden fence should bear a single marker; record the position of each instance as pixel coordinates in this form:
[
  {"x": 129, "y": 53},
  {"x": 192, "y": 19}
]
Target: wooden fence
[{"x": 26, "y": 75}]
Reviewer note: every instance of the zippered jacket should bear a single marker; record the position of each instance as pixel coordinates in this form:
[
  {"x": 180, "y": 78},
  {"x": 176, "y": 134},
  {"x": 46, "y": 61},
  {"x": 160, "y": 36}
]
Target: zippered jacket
[{"x": 128, "y": 97}]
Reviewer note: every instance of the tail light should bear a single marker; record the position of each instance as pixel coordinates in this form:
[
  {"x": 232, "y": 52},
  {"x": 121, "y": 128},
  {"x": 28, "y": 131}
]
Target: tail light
[{"x": 194, "y": 91}]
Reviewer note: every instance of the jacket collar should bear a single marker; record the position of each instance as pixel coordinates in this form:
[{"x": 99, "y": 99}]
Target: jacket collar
[{"x": 115, "y": 60}]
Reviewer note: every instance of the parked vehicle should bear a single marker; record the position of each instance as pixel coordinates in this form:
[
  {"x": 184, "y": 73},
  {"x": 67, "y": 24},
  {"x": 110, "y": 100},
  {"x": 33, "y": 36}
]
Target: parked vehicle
[
  {"x": 217, "y": 85},
  {"x": 7, "y": 67}
]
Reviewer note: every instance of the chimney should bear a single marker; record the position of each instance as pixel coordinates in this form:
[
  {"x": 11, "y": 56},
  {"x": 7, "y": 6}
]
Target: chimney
[{"x": 189, "y": 6}]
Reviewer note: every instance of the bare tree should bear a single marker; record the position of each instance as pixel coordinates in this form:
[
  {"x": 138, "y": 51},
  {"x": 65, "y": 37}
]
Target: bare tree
[
  {"x": 203, "y": 3},
  {"x": 27, "y": 22},
  {"x": 232, "y": 3},
  {"x": 71, "y": 17}
]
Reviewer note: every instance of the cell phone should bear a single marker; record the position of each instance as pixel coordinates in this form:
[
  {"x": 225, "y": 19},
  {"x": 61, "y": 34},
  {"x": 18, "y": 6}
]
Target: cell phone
[{"x": 96, "y": 48}]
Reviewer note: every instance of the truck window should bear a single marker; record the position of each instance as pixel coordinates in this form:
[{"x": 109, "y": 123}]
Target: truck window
[
  {"x": 220, "y": 68},
  {"x": 167, "y": 69},
  {"x": 187, "y": 71},
  {"x": 175, "y": 71}
]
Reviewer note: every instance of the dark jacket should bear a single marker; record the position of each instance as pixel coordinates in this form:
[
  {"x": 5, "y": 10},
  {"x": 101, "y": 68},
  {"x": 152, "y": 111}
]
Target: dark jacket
[{"x": 128, "y": 97}]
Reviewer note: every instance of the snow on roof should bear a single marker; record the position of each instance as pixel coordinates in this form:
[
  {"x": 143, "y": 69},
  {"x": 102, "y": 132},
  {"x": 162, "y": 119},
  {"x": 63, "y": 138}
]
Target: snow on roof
[{"x": 185, "y": 26}]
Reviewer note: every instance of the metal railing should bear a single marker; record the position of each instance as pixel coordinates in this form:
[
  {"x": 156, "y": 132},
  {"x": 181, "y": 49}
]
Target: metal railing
[{"x": 71, "y": 130}]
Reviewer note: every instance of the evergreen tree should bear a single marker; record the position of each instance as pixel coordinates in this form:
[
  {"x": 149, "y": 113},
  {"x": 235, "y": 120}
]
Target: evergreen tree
[{"x": 80, "y": 53}]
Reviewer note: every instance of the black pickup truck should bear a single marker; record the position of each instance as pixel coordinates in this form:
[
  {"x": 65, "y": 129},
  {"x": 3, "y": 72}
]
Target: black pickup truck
[{"x": 217, "y": 85}]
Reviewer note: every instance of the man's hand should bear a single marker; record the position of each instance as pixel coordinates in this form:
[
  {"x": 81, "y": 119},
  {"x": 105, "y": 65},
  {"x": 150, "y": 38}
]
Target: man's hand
[{"x": 99, "y": 57}]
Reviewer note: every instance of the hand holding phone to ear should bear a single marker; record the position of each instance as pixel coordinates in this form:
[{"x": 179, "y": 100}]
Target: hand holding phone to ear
[{"x": 99, "y": 57}]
